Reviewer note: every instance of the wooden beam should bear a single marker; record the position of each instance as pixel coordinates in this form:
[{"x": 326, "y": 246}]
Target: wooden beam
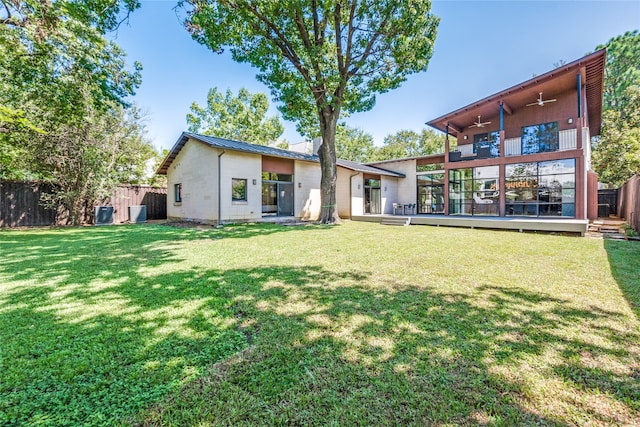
[
  {"x": 506, "y": 107},
  {"x": 453, "y": 127}
]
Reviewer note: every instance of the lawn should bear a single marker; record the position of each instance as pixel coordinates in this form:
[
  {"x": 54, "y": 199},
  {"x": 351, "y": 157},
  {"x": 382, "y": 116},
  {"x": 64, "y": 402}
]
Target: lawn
[{"x": 357, "y": 324}]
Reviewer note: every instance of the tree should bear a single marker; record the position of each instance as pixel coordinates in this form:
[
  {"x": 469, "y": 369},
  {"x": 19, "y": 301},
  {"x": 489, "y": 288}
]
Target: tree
[
  {"x": 407, "y": 143},
  {"x": 353, "y": 144},
  {"x": 621, "y": 70},
  {"x": 616, "y": 157},
  {"x": 320, "y": 58},
  {"x": 242, "y": 117},
  {"x": 63, "y": 97}
]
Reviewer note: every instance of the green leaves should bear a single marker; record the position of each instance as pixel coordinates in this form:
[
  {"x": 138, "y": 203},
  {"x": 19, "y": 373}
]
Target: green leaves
[
  {"x": 407, "y": 143},
  {"x": 320, "y": 58},
  {"x": 616, "y": 156},
  {"x": 242, "y": 117}
]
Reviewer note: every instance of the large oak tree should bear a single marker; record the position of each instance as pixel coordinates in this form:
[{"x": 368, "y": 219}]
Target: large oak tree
[{"x": 320, "y": 58}]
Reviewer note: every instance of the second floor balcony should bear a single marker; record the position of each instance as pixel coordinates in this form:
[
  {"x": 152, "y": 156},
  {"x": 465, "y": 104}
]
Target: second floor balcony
[{"x": 528, "y": 143}]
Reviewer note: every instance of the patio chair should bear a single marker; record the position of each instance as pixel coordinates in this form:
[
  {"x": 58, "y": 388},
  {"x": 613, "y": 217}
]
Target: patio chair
[{"x": 481, "y": 201}]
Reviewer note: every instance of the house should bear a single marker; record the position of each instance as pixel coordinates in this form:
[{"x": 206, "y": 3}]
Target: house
[
  {"x": 215, "y": 180},
  {"x": 522, "y": 161}
]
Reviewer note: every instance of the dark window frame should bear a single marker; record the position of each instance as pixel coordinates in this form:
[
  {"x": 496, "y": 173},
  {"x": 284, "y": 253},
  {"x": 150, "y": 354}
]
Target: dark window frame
[
  {"x": 177, "y": 193},
  {"x": 234, "y": 183}
]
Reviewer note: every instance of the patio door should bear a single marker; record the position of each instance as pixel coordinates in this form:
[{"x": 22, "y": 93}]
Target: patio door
[
  {"x": 431, "y": 199},
  {"x": 285, "y": 199},
  {"x": 277, "y": 194},
  {"x": 372, "y": 196}
]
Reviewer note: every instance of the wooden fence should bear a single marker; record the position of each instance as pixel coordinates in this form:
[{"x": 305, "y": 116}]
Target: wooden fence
[
  {"x": 20, "y": 204},
  {"x": 629, "y": 202}
]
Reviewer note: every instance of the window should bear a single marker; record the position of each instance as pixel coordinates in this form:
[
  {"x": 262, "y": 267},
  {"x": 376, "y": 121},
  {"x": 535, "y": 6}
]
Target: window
[
  {"x": 488, "y": 139},
  {"x": 540, "y": 138},
  {"x": 474, "y": 191},
  {"x": 541, "y": 189},
  {"x": 280, "y": 177},
  {"x": 177, "y": 193},
  {"x": 430, "y": 168},
  {"x": 238, "y": 190}
]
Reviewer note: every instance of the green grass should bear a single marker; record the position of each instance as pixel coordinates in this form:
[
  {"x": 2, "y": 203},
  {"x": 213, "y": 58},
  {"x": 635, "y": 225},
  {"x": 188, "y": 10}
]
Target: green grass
[{"x": 357, "y": 324}]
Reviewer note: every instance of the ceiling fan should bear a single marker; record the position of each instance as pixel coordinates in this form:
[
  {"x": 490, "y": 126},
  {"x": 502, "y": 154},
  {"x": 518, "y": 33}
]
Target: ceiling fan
[
  {"x": 479, "y": 124},
  {"x": 541, "y": 101}
]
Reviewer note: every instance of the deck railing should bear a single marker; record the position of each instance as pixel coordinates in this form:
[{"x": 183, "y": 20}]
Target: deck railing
[{"x": 513, "y": 146}]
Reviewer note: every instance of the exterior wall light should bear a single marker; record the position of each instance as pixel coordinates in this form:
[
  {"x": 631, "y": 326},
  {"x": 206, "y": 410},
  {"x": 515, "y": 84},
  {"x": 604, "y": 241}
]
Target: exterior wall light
[
  {"x": 299, "y": 185},
  {"x": 465, "y": 137},
  {"x": 255, "y": 182},
  {"x": 570, "y": 120}
]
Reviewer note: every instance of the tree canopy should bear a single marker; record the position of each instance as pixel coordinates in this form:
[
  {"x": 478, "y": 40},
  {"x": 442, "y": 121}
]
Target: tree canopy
[
  {"x": 353, "y": 144},
  {"x": 64, "y": 111},
  {"x": 616, "y": 155},
  {"x": 241, "y": 118},
  {"x": 408, "y": 143},
  {"x": 320, "y": 58},
  {"x": 621, "y": 71}
]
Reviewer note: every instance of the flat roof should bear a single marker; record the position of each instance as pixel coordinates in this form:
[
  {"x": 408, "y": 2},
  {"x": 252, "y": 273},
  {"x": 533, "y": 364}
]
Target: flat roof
[{"x": 561, "y": 79}]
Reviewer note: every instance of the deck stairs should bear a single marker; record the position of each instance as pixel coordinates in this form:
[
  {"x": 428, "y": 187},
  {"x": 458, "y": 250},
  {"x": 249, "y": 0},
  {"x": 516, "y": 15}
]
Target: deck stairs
[
  {"x": 610, "y": 227},
  {"x": 396, "y": 220}
]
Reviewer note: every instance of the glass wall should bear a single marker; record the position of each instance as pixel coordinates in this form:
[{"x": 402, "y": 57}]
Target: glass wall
[
  {"x": 372, "y": 196},
  {"x": 541, "y": 189},
  {"x": 540, "y": 138},
  {"x": 474, "y": 191},
  {"x": 431, "y": 193}
]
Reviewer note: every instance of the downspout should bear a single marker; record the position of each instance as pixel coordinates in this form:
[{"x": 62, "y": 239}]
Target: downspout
[
  {"x": 350, "y": 194},
  {"x": 219, "y": 225}
]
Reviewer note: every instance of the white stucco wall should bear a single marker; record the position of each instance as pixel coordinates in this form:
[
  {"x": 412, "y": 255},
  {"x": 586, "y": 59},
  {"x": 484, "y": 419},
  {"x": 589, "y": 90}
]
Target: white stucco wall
[
  {"x": 406, "y": 188},
  {"x": 389, "y": 193},
  {"x": 343, "y": 186},
  {"x": 195, "y": 167},
  {"x": 239, "y": 165},
  {"x": 307, "y": 190}
]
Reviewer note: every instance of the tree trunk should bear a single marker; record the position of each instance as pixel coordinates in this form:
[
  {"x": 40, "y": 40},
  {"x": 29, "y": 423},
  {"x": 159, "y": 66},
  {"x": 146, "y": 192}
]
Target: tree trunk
[{"x": 327, "y": 153}]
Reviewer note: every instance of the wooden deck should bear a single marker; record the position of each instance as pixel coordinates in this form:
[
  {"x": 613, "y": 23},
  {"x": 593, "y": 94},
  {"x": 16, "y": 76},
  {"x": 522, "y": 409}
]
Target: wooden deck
[{"x": 578, "y": 226}]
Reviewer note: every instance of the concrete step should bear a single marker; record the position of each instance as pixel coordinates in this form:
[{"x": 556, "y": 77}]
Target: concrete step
[{"x": 400, "y": 220}]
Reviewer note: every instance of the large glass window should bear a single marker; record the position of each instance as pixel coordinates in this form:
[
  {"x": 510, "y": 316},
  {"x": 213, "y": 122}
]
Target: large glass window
[
  {"x": 474, "y": 191},
  {"x": 487, "y": 139},
  {"x": 540, "y": 138},
  {"x": 431, "y": 193},
  {"x": 541, "y": 189}
]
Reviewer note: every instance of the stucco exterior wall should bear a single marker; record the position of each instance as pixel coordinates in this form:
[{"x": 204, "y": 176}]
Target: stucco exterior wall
[
  {"x": 389, "y": 193},
  {"x": 345, "y": 187},
  {"x": 307, "y": 190},
  {"x": 407, "y": 190},
  {"x": 241, "y": 166},
  {"x": 196, "y": 168}
]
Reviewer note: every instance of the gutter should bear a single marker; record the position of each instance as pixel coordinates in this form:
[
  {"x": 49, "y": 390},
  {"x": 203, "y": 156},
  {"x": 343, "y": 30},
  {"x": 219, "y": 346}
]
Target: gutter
[{"x": 219, "y": 225}]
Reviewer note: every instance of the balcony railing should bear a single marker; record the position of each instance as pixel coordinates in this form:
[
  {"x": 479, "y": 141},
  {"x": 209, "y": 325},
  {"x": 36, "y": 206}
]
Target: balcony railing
[
  {"x": 566, "y": 141},
  {"x": 513, "y": 146}
]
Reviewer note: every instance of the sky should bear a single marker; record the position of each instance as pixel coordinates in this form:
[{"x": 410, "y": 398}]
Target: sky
[{"x": 481, "y": 48}]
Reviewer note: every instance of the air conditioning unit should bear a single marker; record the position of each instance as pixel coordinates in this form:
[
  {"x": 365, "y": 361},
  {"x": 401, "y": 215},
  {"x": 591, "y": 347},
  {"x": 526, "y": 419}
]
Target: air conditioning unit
[{"x": 103, "y": 215}]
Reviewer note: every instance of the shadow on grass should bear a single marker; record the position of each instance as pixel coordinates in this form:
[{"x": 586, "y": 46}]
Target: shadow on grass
[
  {"x": 330, "y": 351},
  {"x": 279, "y": 345},
  {"x": 624, "y": 260}
]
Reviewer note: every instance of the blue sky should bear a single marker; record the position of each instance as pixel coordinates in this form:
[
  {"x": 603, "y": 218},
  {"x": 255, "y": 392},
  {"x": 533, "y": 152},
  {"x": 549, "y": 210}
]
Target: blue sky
[{"x": 482, "y": 47}]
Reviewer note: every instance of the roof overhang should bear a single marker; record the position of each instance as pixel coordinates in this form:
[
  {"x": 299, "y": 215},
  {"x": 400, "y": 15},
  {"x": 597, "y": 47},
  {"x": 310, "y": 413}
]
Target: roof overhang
[
  {"x": 553, "y": 83},
  {"x": 244, "y": 147}
]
